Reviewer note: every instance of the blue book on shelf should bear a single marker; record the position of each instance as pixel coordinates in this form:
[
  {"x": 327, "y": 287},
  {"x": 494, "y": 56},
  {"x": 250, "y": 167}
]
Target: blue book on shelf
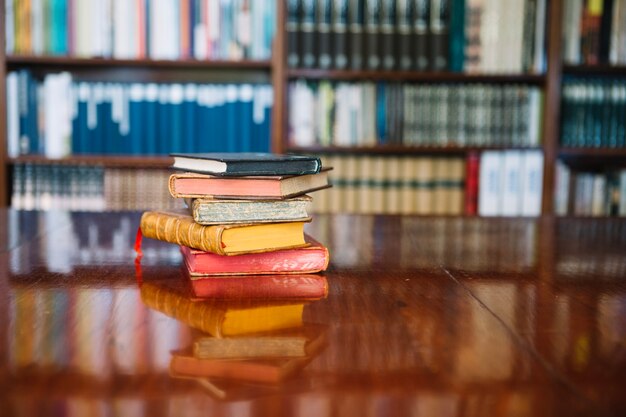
[
  {"x": 35, "y": 146},
  {"x": 232, "y": 112},
  {"x": 176, "y": 106},
  {"x": 59, "y": 29},
  {"x": 110, "y": 141},
  {"x": 24, "y": 139},
  {"x": 189, "y": 118},
  {"x": 164, "y": 121},
  {"x": 150, "y": 138},
  {"x": 136, "y": 107},
  {"x": 457, "y": 35},
  {"x": 245, "y": 104},
  {"x": 381, "y": 113},
  {"x": 266, "y": 132},
  {"x": 80, "y": 136}
]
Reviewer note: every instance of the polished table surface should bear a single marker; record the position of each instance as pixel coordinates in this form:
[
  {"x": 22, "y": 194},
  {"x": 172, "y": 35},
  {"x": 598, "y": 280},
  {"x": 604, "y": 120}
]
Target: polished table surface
[{"x": 425, "y": 317}]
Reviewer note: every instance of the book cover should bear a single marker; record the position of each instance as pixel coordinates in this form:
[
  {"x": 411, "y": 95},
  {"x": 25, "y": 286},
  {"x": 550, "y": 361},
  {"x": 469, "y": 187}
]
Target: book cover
[
  {"x": 288, "y": 287},
  {"x": 222, "y": 239},
  {"x": 190, "y": 185},
  {"x": 310, "y": 259},
  {"x": 220, "y": 318},
  {"x": 210, "y": 211},
  {"x": 246, "y": 163},
  {"x": 300, "y": 342}
]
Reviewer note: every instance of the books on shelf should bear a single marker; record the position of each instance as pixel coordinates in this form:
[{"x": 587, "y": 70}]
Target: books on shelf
[
  {"x": 368, "y": 114},
  {"x": 424, "y": 35},
  {"x": 137, "y": 29},
  {"x": 60, "y": 116},
  {"x": 594, "y": 32},
  {"x": 510, "y": 183},
  {"x": 586, "y": 193},
  {"x": 592, "y": 112}
]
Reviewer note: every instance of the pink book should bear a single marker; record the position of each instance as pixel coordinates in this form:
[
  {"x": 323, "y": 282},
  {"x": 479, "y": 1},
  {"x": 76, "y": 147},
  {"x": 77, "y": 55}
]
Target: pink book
[{"x": 310, "y": 259}]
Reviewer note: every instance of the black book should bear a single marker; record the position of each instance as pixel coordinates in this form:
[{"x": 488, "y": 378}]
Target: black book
[
  {"x": 421, "y": 27},
  {"x": 356, "y": 11},
  {"x": 439, "y": 23},
  {"x": 372, "y": 34},
  {"x": 340, "y": 33},
  {"x": 404, "y": 14},
  {"x": 307, "y": 33},
  {"x": 292, "y": 32},
  {"x": 246, "y": 163},
  {"x": 387, "y": 31},
  {"x": 605, "y": 31},
  {"x": 322, "y": 32}
]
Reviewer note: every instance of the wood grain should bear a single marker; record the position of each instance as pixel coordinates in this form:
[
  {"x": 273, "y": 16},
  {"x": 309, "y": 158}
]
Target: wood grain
[{"x": 425, "y": 316}]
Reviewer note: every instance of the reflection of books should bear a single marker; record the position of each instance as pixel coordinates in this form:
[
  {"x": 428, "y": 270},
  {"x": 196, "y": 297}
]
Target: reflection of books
[
  {"x": 237, "y": 164},
  {"x": 257, "y": 370},
  {"x": 294, "y": 343},
  {"x": 310, "y": 259},
  {"x": 222, "y": 239},
  {"x": 222, "y": 318},
  {"x": 266, "y": 358}
]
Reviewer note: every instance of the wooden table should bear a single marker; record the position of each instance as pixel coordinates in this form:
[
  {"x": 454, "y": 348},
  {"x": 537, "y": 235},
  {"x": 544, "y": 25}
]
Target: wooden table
[{"x": 425, "y": 317}]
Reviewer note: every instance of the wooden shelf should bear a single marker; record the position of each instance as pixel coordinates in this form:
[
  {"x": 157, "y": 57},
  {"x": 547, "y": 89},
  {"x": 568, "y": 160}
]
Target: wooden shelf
[
  {"x": 598, "y": 70},
  {"x": 404, "y": 149},
  {"x": 595, "y": 152},
  {"x": 353, "y": 75},
  {"x": 110, "y": 161},
  {"x": 19, "y": 61}
]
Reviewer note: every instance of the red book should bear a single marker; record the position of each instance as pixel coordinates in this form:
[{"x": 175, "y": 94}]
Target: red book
[
  {"x": 471, "y": 183},
  {"x": 310, "y": 259},
  {"x": 280, "y": 287}
]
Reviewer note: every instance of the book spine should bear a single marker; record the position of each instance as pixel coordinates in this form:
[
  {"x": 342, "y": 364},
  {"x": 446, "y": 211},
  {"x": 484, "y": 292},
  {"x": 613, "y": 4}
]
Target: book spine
[
  {"x": 372, "y": 34},
  {"x": 340, "y": 33},
  {"x": 182, "y": 231},
  {"x": 387, "y": 34},
  {"x": 421, "y": 40},
  {"x": 355, "y": 28},
  {"x": 404, "y": 54},
  {"x": 439, "y": 22},
  {"x": 457, "y": 35},
  {"x": 471, "y": 184},
  {"x": 292, "y": 33},
  {"x": 307, "y": 33},
  {"x": 201, "y": 316},
  {"x": 303, "y": 287},
  {"x": 323, "y": 33}
]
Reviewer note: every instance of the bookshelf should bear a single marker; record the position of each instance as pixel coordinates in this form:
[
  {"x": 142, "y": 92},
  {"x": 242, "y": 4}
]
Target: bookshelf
[{"x": 279, "y": 74}]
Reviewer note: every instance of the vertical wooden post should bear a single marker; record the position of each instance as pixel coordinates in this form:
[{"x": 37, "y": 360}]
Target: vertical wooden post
[{"x": 552, "y": 113}]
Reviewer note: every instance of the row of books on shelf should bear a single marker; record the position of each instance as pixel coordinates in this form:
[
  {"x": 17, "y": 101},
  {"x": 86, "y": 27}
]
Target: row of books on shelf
[
  {"x": 594, "y": 32},
  {"x": 590, "y": 193},
  {"x": 88, "y": 188},
  {"x": 60, "y": 116},
  {"x": 367, "y": 114},
  {"x": 593, "y": 113},
  {"x": 136, "y": 29},
  {"x": 493, "y": 184},
  {"x": 423, "y": 35}
]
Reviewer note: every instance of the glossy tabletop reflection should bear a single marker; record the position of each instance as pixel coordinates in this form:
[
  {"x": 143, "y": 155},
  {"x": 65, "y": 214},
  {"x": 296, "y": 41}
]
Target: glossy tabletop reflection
[{"x": 424, "y": 317}]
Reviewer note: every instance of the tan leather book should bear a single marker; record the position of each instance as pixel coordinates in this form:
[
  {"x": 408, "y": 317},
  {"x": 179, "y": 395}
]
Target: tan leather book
[{"x": 230, "y": 239}]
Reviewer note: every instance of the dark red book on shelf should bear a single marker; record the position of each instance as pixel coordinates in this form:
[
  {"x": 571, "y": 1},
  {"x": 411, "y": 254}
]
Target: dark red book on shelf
[
  {"x": 310, "y": 259},
  {"x": 471, "y": 183}
]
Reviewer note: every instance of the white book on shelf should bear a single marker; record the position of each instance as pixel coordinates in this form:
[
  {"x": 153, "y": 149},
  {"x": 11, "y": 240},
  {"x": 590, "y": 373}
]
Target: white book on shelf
[
  {"x": 9, "y": 24},
  {"x": 36, "y": 24},
  {"x": 532, "y": 182},
  {"x": 535, "y": 97},
  {"x": 200, "y": 45},
  {"x": 82, "y": 32},
  {"x": 58, "y": 123},
  {"x": 13, "y": 115},
  {"x": 561, "y": 198},
  {"x": 214, "y": 29},
  {"x": 122, "y": 35},
  {"x": 539, "y": 61},
  {"x": 490, "y": 183},
  {"x": 571, "y": 31},
  {"x": 598, "y": 195},
  {"x": 356, "y": 115},
  {"x": 622, "y": 193}
]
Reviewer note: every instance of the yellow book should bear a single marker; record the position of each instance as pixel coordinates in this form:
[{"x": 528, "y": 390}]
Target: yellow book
[
  {"x": 232, "y": 239},
  {"x": 221, "y": 318}
]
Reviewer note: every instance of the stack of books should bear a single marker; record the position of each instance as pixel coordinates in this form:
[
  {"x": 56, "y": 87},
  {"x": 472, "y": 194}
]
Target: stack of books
[{"x": 250, "y": 264}]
